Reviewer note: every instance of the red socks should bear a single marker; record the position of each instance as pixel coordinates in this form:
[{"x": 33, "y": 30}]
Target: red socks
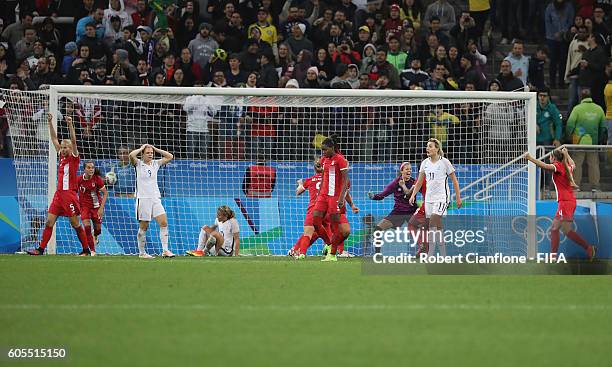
[
  {"x": 304, "y": 243},
  {"x": 578, "y": 239},
  {"x": 46, "y": 236},
  {"x": 82, "y": 237},
  {"x": 554, "y": 241},
  {"x": 90, "y": 240}
]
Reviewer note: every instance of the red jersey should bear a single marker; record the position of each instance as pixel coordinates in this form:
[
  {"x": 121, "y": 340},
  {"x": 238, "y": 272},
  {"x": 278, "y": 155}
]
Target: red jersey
[
  {"x": 89, "y": 191},
  {"x": 565, "y": 192},
  {"x": 313, "y": 184},
  {"x": 67, "y": 173},
  {"x": 332, "y": 174}
]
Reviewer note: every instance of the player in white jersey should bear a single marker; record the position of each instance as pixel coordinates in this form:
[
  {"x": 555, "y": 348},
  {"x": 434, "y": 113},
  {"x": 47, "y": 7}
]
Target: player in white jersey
[
  {"x": 148, "y": 197},
  {"x": 436, "y": 170},
  {"x": 221, "y": 239}
]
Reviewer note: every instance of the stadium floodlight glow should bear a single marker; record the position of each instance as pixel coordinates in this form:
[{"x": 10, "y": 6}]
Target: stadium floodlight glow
[{"x": 216, "y": 134}]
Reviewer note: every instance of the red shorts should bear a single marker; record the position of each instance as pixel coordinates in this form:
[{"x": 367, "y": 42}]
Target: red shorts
[
  {"x": 65, "y": 203},
  {"x": 343, "y": 219},
  {"x": 565, "y": 211},
  {"x": 327, "y": 204},
  {"x": 309, "y": 221},
  {"x": 419, "y": 215},
  {"x": 90, "y": 213}
]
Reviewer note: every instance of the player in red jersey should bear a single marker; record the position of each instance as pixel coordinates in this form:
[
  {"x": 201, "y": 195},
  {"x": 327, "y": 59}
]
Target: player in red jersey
[
  {"x": 332, "y": 195},
  {"x": 562, "y": 167},
  {"x": 344, "y": 228},
  {"x": 65, "y": 201},
  {"x": 92, "y": 195}
]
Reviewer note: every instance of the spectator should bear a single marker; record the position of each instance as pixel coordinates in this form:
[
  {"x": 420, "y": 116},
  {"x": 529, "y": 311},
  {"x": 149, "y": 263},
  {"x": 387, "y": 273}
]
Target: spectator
[
  {"x": 509, "y": 21},
  {"x": 592, "y": 67},
  {"x": 228, "y": 10},
  {"x": 43, "y": 76},
  {"x": 340, "y": 20},
  {"x": 393, "y": 25},
  {"x": 236, "y": 34},
  {"x": 444, "y": 11},
  {"x": 14, "y": 32},
  {"x": 381, "y": 65},
  {"x": 518, "y": 61},
  {"x": 192, "y": 70},
  {"x": 250, "y": 58},
  {"x": 586, "y": 127},
  {"x": 440, "y": 122},
  {"x": 255, "y": 35},
  {"x": 235, "y": 75},
  {"x": 349, "y": 9},
  {"x": 369, "y": 57},
  {"x": 201, "y": 111},
  {"x": 364, "y": 81},
  {"x": 600, "y": 27},
  {"x": 84, "y": 8},
  {"x": 413, "y": 76},
  {"x": 412, "y": 11},
  {"x": 203, "y": 46},
  {"x": 298, "y": 41},
  {"x": 218, "y": 80},
  {"x": 116, "y": 9},
  {"x": 608, "y": 96},
  {"x": 70, "y": 54},
  {"x": 99, "y": 76},
  {"x": 292, "y": 19},
  {"x": 342, "y": 78},
  {"x": 96, "y": 18},
  {"x": 268, "y": 31},
  {"x": 479, "y": 11},
  {"x": 346, "y": 54},
  {"x": 507, "y": 81},
  {"x": 143, "y": 73},
  {"x": 325, "y": 67},
  {"x": 159, "y": 79},
  {"x": 178, "y": 79},
  {"x": 464, "y": 31},
  {"x": 25, "y": 47},
  {"x": 549, "y": 128},
  {"x": 470, "y": 73},
  {"x": 147, "y": 43},
  {"x": 373, "y": 11},
  {"x": 437, "y": 80},
  {"x": 353, "y": 79},
  {"x": 50, "y": 36},
  {"x": 143, "y": 16},
  {"x": 126, "y": 176},
  {"x": 124, "y": 72},
  {"x": 577, "y": 48},
  {"x": 396, "y": 56},
  {"x": 38, "y": 51},
  {"x": 304, "y": 61},
  {"x": 455, "y": 62},
  {"x": 363, "y": 38},
  {"x": 130, "y": 44},
  {"x": 113, "y": 32},
  {"x": 558, "y": 19},
  {"x": 435, "y": 28},
  {"x": 259, "y": 179},
  {"x": 167, "y": 67},
  {"x": 312, "y": 79},
  {"x": 536, "y": 69},
  {"x": 268, "y": 77},
  {"x": 322, "y": 27},
  {"x": 253, "y": 80},
  {"x": 440, "y": 58},
  {"x": 97, "y": 49},
  {"x": 428, "y": 51}
]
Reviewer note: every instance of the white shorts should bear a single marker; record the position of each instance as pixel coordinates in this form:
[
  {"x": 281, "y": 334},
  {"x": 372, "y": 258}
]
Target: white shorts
[
  {"x": 222, "y": 252},
  {"x": 147, "y": 209},
  {"x": 437, "y": 208}
]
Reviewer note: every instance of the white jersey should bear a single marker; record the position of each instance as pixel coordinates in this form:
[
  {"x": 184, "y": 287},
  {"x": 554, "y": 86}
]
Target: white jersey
[
  {"x": 146, "y": 180},
  {"x": 436, "y": 175},
  {"x": 227, "y": 230}
]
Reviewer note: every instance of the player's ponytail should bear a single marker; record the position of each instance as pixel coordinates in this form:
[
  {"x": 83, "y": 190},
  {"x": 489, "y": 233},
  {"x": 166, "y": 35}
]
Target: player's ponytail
[
  {"x": 229, "y": 213},
  {"x": 559, "y": 156}
]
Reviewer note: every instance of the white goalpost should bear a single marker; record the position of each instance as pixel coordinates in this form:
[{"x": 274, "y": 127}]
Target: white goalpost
[{"x": 220, "y": 136}]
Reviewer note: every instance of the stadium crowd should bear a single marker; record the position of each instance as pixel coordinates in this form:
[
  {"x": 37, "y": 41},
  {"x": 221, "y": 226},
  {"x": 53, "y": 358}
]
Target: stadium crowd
[{"x": 364, "y": 44}]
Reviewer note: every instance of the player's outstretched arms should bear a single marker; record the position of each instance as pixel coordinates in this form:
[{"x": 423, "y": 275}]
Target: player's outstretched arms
[
  {"x": 52, "y": 132},
  {"x": 539, "y": 163},
  {"x": 75, "y": 150}
]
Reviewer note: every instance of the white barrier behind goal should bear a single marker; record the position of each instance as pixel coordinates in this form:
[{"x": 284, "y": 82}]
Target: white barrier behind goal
[{"x": 217, "y": 134}]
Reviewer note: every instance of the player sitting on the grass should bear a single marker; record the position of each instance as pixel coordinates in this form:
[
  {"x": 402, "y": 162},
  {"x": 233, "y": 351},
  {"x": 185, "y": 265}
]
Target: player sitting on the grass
[
  {"x": 220, "y": 239},
  {"x": 332, "y": 195},
  {"x": 148, "y": 197},
  {"x": 65, "y": 200},
  {"x": 401, "y": 187},
  {"x": 562, "y": 167},
  {"x": 435, "y": 170},
  {"x": 91, "y": 185}
]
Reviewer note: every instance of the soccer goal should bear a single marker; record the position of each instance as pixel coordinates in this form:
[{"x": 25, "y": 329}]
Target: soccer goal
[{"x": 247, "y": 148}]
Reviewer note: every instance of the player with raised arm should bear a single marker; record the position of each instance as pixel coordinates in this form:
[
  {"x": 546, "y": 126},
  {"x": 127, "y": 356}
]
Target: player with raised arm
[
  {"x": 332, "y": 195},
  {"x": 220, "y": 239},
  {"x": 92, "y": 196},
  {"x": 435, "y": 171},
  {"x": 148, "y": 197},
  {"x": 562, "y": 167},
  {"x": 401, "y": 187},
  {"x": 65, "y": 200}
]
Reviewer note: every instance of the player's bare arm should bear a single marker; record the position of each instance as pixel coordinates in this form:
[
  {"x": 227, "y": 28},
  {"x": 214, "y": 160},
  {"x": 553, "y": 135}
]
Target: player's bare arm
[
  {"x": 166, "y": 156},
  {"x": 75, "y": 149},
  {"x": 52, "y": 132},
  {"x": 568, "y": 158},
  {"x": 236, "y": 244},
  {"x": 539, "y": 163},
  {"x": 300, "y": 188},
  {"x": 104, "y": 192},
  {"x": 349, "y": 200},
  {"x": 417, "y": 187},
  {"x": 453, "y": 177},
  {"x": 134, "y": 154},
  {"x": 343, "y": 192}
]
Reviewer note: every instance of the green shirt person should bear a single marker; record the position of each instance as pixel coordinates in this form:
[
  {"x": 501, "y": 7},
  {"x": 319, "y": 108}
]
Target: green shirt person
[
  {"x": 549, "y": 127},
  {"x": 586, "y": 123}
]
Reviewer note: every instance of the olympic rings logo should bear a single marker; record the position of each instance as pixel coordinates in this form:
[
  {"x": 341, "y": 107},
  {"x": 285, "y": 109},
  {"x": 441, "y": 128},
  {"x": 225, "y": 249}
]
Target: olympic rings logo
[{"x": 543, "y": 224}]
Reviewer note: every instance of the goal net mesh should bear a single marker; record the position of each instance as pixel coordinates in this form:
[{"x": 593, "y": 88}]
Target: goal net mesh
[{"x": 217, "y": 139}]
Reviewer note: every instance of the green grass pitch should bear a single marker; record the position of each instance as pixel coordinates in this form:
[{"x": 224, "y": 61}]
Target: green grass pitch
[{"x": 122, "y": 311}]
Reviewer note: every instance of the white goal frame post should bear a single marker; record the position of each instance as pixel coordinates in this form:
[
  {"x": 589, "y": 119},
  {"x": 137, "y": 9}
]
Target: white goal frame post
[{"x": 459, "y": 96}]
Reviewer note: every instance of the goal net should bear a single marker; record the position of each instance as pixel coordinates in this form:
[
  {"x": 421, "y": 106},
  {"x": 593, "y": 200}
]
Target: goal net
[{"x": 222, "y": 139}]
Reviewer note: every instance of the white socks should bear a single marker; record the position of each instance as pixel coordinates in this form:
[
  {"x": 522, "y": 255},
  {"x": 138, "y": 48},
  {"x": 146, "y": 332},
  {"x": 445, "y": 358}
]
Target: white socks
[
  {"x": 142, "y": 240},
  {"x": 163, "y": 237},
  {"x": 202, "y": 240}
]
